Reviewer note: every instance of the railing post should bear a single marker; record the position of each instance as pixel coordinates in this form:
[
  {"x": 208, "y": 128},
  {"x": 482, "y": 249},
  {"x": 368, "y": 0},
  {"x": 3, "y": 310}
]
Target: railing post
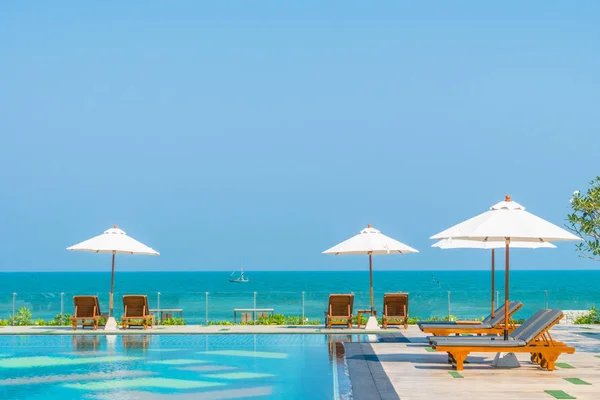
[
  {"x": 546, "y": 293},
  {"x": 206, "y": 311},
  {"x": 62, "y": 306},
  {"x": 302, "y": 308},
  {"x": 13, "y": 314},
  {"x": 448, "y": 305},
  {"x": 159, "y": 320},
  {"x": 254, "y": 313}
]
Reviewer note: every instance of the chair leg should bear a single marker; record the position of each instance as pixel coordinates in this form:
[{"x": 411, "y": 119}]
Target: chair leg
[
  {"x": 533, "y": 358},
  {"x": 550, "y": 360},
  {"x": 459, "y": 359}
]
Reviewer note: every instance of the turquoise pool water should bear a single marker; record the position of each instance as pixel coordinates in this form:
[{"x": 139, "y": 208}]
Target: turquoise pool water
[{"x": 175, "y": 366}]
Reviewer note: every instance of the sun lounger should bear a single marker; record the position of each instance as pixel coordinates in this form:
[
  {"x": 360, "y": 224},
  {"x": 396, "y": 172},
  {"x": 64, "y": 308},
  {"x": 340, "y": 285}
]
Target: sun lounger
[
  {"x": 87, "y": 311},
  {"x": 486, "y": 320},
  {"x": 339, "y": 311},
  {"x": 492, "y": 326},
  {"x": 533, "y": 336},
  {"x": 395, "y": 309},
  {"x": 136, "y": 312}
]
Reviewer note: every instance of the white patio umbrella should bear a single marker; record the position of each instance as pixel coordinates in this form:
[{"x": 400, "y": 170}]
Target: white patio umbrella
[
  {"x": 506, "y": 222},
  {"x": 473, "y": 244},
  {"x": 370, "y": 242},
  {"x": 113, "y": 241}
]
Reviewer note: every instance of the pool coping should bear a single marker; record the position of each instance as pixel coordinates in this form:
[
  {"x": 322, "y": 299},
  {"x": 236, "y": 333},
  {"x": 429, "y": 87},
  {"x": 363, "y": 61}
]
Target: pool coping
[
  {"x": 367, "y": 377},
  {"x": 193, "y": 330}
]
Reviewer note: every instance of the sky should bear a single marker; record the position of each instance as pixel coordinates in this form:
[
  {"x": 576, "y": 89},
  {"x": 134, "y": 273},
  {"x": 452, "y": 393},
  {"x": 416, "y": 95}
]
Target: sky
[{"x": 259, "y": 134}]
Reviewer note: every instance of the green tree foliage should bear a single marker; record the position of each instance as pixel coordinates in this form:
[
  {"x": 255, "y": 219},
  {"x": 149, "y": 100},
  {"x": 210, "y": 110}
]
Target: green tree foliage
[{"x": 584, "y": 221}]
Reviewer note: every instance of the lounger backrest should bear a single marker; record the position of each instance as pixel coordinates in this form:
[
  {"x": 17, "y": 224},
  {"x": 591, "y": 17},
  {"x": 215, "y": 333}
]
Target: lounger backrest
[
  {"x": 497, "y": 311},
  {"x": 397, "y": 304},
  {"x": 528, "y": 324},
  {"x": 84, "y": 306},
  {"x": 538, "y": 323},
  {"x": 498, "y": 319},
  {"x": 338, "y": 304},
  {"x": 135, "y": 305}
]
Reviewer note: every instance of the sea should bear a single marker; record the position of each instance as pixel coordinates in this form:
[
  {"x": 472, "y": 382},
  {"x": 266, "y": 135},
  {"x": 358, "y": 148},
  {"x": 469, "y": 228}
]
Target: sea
[{"x": 210, "y": 297}]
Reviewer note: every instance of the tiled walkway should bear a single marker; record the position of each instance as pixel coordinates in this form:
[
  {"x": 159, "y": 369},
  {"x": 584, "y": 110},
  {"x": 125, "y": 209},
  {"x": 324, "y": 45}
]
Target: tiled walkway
[{"x": 416, "y": 373}]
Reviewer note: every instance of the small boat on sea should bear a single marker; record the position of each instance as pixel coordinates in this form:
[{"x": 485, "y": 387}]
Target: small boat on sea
[{"x": 240, "y": 279}]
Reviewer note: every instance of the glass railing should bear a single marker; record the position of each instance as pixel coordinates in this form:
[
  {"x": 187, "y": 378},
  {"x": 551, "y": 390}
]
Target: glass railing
[{"x": 202, "y": 307}]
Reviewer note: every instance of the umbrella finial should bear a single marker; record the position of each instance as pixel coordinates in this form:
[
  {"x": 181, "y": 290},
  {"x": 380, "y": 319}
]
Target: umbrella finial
[
  {"x": 115, "y": 226},
  {"x": 368, "y": 225},
  {"x": 507, "y": 198}
]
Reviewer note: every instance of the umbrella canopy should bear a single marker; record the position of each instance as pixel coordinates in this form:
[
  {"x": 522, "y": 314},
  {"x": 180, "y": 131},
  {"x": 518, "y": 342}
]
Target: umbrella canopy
[
  {"x": 370, "y": 242},
  {"x": 475, "y": 244},
  {"x": 506, "y": 222},
  {"x": 507, "y": 219},
  {"x": 113, "y": 241}
]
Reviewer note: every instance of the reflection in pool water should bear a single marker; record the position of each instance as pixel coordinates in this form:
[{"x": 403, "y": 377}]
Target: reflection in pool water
[{"x": 293, "y": 366}]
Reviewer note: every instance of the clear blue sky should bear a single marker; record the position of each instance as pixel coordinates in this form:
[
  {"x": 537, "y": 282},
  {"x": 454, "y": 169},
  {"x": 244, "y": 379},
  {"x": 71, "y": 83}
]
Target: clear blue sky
[{"x": 262, "y": 133}]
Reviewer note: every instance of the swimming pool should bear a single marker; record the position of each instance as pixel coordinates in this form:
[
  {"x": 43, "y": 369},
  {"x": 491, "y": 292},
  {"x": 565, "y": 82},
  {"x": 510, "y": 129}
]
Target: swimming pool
[{"x": 226, "y": 366}]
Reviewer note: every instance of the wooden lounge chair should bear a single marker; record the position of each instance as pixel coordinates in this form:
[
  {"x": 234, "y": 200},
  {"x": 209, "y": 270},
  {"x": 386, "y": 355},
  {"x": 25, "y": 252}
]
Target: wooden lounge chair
[
  {"x": 339, "y": 311},
  {"x": 486, "y": 320},
  {"x": 87, "y": 311},
  {"x": 136, "y": 312},
  {"x": 531, "y": 337},
  {"x": 492, "y": 326},
  {"x": 395, "y": 309}
]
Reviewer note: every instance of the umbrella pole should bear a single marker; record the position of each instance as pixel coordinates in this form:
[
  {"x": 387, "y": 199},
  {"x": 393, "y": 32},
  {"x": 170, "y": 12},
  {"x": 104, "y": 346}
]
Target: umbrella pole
[
  {"x": 112, "y": 284},
  {"x": 506, "y": 289},
  {"x": 493, "y": 289},
  {"x": 371, "y": 281}
]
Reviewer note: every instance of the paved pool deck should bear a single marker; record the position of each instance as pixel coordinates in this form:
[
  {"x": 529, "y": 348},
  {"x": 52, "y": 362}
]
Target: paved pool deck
[
  {"x": 400, "y": 364},
  {"x": 410, "y": 370}
]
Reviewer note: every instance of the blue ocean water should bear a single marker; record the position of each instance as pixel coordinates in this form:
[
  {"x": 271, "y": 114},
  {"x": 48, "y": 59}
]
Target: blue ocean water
[{"x": 431, "y": 292}]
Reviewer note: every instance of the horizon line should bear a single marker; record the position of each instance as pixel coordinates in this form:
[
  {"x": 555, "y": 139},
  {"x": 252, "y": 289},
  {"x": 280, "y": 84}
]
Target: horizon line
[{"x": 306, "y": 270}]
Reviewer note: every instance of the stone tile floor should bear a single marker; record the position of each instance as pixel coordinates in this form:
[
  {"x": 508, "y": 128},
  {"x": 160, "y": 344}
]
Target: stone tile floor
[{"x": 416, "y": 373}]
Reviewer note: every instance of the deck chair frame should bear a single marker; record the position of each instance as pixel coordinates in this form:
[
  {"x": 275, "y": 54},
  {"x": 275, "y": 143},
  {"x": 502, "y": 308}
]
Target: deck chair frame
[
  {"x": 331, "y": 319},
  {"x": 469, "y": 327},
  {"x": 394, "y": 319},
  {"x": 145, "y": 320},
  {"x": 543, "y": 348},
  {"x": 86, "y": 320}
]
